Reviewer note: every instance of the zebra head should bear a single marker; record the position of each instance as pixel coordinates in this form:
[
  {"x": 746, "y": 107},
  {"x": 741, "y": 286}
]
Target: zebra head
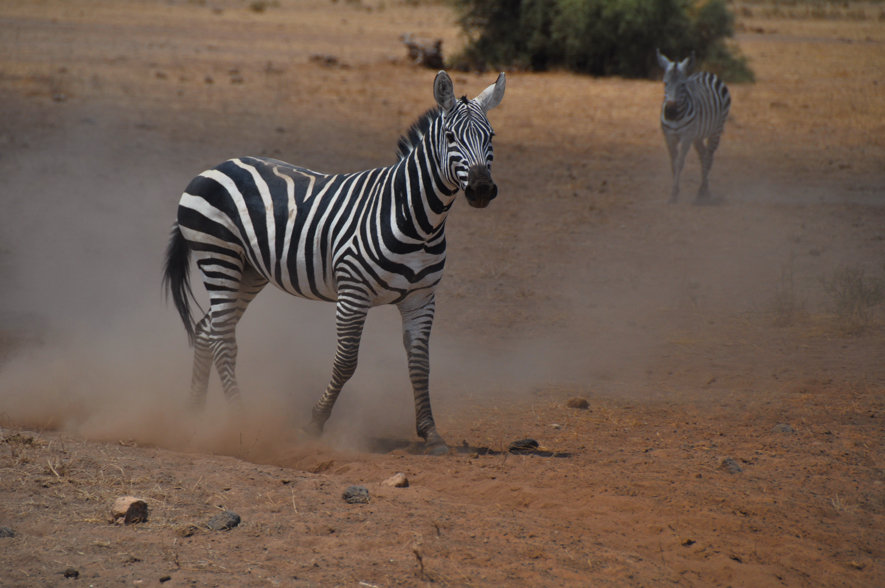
[
  {"x": 675, "y": 76},
  {"x": 466, "y": 139}
]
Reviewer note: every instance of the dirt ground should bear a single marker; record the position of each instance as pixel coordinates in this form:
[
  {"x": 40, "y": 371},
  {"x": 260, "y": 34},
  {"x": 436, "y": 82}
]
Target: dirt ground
[{"x": 736, "y": 413}]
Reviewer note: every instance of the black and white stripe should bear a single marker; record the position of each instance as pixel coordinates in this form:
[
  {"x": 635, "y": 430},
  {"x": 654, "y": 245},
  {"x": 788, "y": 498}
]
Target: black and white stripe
[
  {"x": 694, "y": 112},
  {"x": 357, "y": 239}
]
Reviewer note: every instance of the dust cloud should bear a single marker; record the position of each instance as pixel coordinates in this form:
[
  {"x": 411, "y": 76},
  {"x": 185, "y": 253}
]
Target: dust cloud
[
  {"x": 89, "y": 199},
  {"x": 98, "y": 351}
]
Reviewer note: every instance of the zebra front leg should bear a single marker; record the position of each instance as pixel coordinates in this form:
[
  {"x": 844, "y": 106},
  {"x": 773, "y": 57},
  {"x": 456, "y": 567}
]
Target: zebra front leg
[
  {"x": 350, "y": 316},
  {"x": 417, "y": 321},
  {"x": 705, "y": 154},
  {"x": 673, "y": 150},
  {"x": 202, "y": 364}
]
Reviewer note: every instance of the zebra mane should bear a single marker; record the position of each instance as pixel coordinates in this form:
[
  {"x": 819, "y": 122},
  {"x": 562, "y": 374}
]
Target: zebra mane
[{"x": 416, "y": 132}]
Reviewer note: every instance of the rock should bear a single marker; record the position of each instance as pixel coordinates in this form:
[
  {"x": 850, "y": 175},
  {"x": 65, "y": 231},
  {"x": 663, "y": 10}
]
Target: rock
[
  {"x": 730, "y": 466},
  {"x": 129, "y": 510},
  {"x": 224, "y": 521},
  {"x": 782, "y": 428},
  {"x": 397, "y": 480},
  {"x": 71, "y": 573},
  {"x": 579, "y": 403},
  {"x": 356, "y": 495},
  {"x": 523, "y": 446},
  {"x": 6, "y": 532}
]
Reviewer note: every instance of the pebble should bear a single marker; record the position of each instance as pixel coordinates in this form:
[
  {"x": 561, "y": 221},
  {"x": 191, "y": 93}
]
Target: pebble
[
  {"x": 782, "y": 428},
  {"x": 523, "y": 446},
  {"x": 397, "y": 480},
  {"x": 580, "y": 403},
  {"x": 224, "y": 521},
  {"x": 730, "y": 466},
  {"x": 129, "y": 510},
  {"x": 356, "y": 495}
]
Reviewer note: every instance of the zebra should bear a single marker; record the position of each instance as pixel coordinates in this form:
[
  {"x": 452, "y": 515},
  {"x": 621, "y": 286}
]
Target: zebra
[
  {"x": 694, "y": 110},
  {"x": 358, "y": 239}
]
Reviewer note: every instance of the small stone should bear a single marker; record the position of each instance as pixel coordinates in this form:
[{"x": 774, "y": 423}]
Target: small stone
[
  {"x": 782, "y": 428},
  {"x": 129, "y": 510},
  {"x": 397, "y": 480},
  {"x": 224, "y": 521},
  {"x": 71, "y": 573},
  {"x": 730, "y": 466},
  {"x": 7, "y": 532},
  {"x": 579, "y": 403},
  {"x": 356, "y": 495},
  {"x": 523, "y": 446}
]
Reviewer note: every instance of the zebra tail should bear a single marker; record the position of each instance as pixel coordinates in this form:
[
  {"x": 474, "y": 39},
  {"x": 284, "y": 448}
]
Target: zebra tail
[{"x": 176, "y": 279}]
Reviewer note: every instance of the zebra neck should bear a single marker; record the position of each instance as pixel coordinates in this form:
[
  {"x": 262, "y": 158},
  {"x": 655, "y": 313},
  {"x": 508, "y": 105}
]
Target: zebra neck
[{"x": 420, "y": 191}]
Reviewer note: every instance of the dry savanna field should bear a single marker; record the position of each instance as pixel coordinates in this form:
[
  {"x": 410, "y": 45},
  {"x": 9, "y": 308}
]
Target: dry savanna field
[{"x": 732, "y": 357}]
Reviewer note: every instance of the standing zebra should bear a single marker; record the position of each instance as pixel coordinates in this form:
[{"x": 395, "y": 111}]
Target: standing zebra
[
  {"x": 695, "y": 108},
  {"x": 357, "y": 239}
]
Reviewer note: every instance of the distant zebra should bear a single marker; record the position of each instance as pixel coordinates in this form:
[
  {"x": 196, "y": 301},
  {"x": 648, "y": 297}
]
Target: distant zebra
[
  {"x": 695, "y": 109},
  {"x": 357, "y": 239}
]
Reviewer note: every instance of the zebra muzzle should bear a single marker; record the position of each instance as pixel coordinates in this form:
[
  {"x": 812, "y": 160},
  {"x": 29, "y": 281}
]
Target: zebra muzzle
[
  {"x": 480, "y": 188},
  {"x": 671, "y": 110}
]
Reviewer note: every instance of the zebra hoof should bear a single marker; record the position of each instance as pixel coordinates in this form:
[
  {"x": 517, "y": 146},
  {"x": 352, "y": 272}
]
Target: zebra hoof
[
  {"x": 434, "y": 444},
  {"x": 436, "y": 449},
  {"x": 313, "y": 428},
  {"x": 196, "y": 405}
]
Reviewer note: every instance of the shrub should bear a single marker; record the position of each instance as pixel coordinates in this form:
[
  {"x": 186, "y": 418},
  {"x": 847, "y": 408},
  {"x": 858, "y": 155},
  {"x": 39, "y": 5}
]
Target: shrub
[{"x": 598, "y": 37}]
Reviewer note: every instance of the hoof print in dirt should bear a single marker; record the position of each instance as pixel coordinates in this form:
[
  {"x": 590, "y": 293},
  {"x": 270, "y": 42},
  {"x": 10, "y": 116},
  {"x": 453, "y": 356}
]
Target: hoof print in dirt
[
  {"x": 129, "y": 510},
  {"x": 356, "y": 495},
  {"x": 731, "y": 466},
  {"x": 187, "y": 530},
  {"x": 579, "y": 403},
  {"x": 6, "y": 532},
  {"x": 224, "y": 521},
  {"x": 398, "y": 480}
]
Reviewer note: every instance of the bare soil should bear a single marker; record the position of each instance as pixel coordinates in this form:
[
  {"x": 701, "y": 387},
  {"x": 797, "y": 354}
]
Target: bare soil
[{"x": 735, "y": 417}]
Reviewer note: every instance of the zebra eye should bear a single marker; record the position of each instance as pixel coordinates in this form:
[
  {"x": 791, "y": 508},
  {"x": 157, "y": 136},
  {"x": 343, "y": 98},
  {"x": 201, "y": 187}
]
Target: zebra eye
[{"x": 450, "y": 136}]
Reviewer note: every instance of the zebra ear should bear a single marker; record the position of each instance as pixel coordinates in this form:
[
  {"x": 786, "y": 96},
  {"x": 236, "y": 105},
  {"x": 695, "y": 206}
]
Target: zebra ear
[
  {"x": 687, "y": 64},
  {"x": 663, "y": 61},
  {"x": 491, "y": 96},
  {"x": 444, "y": 91}
]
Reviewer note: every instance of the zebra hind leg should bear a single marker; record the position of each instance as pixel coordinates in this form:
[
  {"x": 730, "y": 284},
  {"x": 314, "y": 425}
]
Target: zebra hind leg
[
  {"x": 202, "y": 364},
  {"x": 350, "y": 316},
  {"x": 225, "y": 311}
]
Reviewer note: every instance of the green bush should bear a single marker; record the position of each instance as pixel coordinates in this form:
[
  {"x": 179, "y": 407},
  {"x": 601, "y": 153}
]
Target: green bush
[{"x": 597, "y": 37}]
